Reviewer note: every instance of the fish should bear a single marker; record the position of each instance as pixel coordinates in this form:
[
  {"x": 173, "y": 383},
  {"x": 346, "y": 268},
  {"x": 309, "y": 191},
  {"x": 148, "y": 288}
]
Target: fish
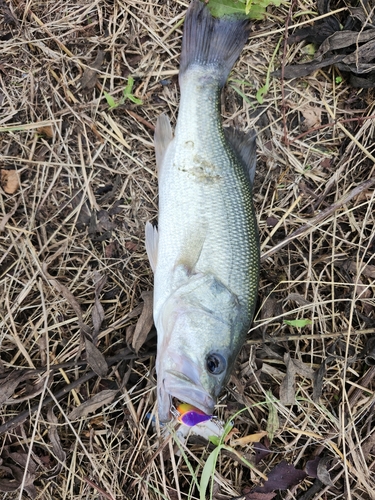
[{"x": 204, "y": 251}]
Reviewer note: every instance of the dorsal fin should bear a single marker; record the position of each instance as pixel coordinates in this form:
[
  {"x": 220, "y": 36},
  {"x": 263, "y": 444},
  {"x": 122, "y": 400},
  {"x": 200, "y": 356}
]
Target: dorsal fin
[
  {"x": 244, "y": 145},
  {"x": 162, "y": 138},
  {"x": 151, "y": 241}
]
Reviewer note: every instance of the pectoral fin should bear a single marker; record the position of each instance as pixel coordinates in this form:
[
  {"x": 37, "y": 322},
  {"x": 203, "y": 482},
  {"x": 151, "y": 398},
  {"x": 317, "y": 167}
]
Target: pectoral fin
[
  {"x": 192, "y": 247},
  {"x": 162, "y": 138},
  {"x": 244, "y": 145},
  {"x": 152, "y": 239}
]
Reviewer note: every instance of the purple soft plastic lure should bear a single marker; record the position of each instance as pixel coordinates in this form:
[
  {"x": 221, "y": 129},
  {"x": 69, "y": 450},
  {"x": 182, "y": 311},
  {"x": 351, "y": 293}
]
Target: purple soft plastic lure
[{"x": 189, "y": 415}]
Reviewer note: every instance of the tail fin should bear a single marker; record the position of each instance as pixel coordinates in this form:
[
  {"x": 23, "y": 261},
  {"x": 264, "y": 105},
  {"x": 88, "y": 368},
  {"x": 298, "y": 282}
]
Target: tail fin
[{"x": 212, "y": 41}]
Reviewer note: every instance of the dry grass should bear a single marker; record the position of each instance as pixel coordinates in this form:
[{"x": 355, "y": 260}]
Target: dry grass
[{"x": 88, "y": 185}]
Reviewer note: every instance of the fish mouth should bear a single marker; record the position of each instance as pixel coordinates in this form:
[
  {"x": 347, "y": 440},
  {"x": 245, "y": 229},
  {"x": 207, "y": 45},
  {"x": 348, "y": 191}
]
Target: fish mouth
[
  {"x": 182, "y": 377},
  {"x": 183, "y": 388}
]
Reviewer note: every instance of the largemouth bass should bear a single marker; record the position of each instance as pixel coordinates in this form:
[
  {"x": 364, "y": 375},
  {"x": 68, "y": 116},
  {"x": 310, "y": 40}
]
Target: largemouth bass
[{"x": 205, "y": 252}]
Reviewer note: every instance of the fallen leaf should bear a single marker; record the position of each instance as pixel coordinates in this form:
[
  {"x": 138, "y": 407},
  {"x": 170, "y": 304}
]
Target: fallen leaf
[
  {"x": 351, "y": 48},
  {"x": 100, "y": 226},
  {"x": 90, "y": 75},
  {"x": 31, "y": 389},
  {"x": 9, "y": 180},
  {"x": 144, "y": 323},
  {"x": 369, "y": 444},
  {"x": 8, "y": 485},
  {"x": 111, "y": 250},
  {"x": 273, "y": 419},
  {"x": 319, "y": 379},
  {"x": 282, "y": 477},
  {"x": 104, "y": 222},
  {"x": 118, "y": 206},
  {"x": 369, "y": 351},
  {"x": 84, "y": 215},
  {"x": 10, "y": 383},
  {"x": 233, "y": 432},
  {"x": 98, "y": 314},
  {"x": 312, "y": 115},
  {"x": 47, "y": 131},
  {"x": 312, "y": 467},
  {"x": 258, "y": 496},
  {"x": 101, "y": 399},
  {"x": 95, "y": 359},
  {"x": 65, "y": 292},
  {"x": 57, "y": 448},
  {"x": 7, "y": 14},
  {"x": 130, "y": 245},
  {"x": 367, "y": 270},
  {"x": 363, "y": 292},
  {"x": 261, "y": 451},
  {"x": 251, "y": 438},
  {"x": 272, "y": 221},
  {"x": 317, "y": 33},
  {"x": 5, "y": 219},
  {"x": 18, "y": 475},
  {"x": 129, "y": 333},
  {"x": 287, "y": 386},
  {"x": 322, "y": 472},
  {"x": 299, "y": 299},
  {"x": 22, "y": 459}
]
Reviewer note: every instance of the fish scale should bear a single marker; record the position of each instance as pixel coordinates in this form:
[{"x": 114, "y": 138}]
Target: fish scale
[
  {"x": 225, "y": 204},
  {"x": 205, "y": 253}
]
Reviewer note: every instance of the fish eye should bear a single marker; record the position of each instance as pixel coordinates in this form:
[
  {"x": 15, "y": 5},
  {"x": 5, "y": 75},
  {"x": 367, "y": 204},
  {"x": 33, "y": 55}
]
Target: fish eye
[{"x": 216, "y": 363}]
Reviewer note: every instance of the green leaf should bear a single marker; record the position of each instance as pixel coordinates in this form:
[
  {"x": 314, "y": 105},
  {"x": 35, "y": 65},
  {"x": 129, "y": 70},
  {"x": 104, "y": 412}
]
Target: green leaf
[
  {"x": 298, "y": 323},
  {"x": 261, "y": 92},
  {"x": 309, "y": 49},
  {"x": 241, "y": 82},
  {"x": 134, "y": 99},
  {"x": 215, "y": 440},
  {"x": 254, "y": 9},
  {"x": 220, "y": 8},
  {"x": 129, "y": 86},
  {"x": 239, "y": 92},
  {"x": 227, "y": 428},
  {"x": 207, "y": 472},
  {"x": 127, "y": 92},
  {"x": 185, "y": 457},
  {"x": 110, "y": 101}
]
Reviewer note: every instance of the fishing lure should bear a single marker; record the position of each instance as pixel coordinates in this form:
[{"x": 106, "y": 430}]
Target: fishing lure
[{"x": 189, "y": 415}]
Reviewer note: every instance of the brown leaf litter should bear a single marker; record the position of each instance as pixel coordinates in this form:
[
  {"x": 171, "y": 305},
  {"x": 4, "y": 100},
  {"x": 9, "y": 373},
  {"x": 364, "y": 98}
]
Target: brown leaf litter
[
  {"x": 348, "y": 45},
  {"x": 9, "y": 180}
]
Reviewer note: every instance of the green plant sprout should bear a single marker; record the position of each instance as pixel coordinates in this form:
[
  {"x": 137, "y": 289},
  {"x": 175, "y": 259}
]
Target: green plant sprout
[
  {"x": 208, "y": 472},
  {"x": 254, "y": 9},
  {"x": 298, "y": 323},
  {"x": 126, "y": 94},
  {"x": 263, "y": 90},
  {"x": 209, "y": 468}
]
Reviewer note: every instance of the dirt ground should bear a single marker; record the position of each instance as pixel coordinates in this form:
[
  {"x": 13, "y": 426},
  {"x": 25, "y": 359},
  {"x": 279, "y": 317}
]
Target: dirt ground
[{"x": 77, "y": 377}]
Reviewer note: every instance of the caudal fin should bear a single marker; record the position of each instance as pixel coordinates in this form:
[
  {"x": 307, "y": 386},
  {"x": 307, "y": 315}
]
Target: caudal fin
[{"x": 208, "y": 40}]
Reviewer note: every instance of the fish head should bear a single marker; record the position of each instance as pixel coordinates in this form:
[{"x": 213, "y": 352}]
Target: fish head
[{"x": 195, "y": 358}]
